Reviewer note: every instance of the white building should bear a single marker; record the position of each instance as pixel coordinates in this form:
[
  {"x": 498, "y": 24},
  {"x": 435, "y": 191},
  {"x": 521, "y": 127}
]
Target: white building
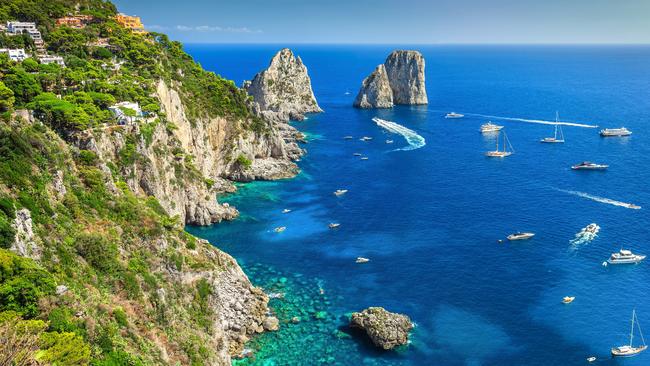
[
  {"x": 20, "y": 27},
  {"x": 49, "y": 59},
  {"x": 118, "y": 111},
  {"x": 17, "y": 55}
]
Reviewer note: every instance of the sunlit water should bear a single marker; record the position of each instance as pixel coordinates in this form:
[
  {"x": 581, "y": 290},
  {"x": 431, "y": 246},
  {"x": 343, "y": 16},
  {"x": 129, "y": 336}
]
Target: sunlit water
[{"x": 429, "y": 219}]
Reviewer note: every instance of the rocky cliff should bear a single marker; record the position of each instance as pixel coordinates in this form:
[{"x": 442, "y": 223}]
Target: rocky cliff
[
  {"x": 403, "y": 71},
  {"x": 284, "y": 88}
]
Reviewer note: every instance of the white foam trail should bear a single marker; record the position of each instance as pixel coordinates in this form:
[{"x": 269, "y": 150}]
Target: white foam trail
[
  {"x": 414, "y": 140},
  {"x": 538, "y": 121},
  {"x": 584, "y": 236},
  {"x": 601, "y": 199}
]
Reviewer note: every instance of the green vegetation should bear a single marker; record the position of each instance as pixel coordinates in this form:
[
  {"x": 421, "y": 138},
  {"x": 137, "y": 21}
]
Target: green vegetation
[{"x": 244, "y": 162}]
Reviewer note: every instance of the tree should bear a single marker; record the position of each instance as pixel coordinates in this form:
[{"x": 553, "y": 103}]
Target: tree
[
  {"x": 6, "y": 98},
  {"x": 19, "y": 339},
  {"x": 24, "y": 85}
]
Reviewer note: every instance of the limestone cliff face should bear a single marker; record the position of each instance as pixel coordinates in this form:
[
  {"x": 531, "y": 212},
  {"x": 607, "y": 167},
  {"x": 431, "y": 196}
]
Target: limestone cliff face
[
  {"x": 185, "y": 163},
  {"x": 375, "y": 91},
  {"x": 404, "y": 74},
  {"x": 284, "y": 88}
]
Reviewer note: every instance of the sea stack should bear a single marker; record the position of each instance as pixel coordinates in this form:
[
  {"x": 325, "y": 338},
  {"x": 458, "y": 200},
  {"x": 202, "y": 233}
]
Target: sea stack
[
  {"x": 284, "y": 88},
  {"x": 403, "y": 71},
  {"x": 386, "y": 330}
]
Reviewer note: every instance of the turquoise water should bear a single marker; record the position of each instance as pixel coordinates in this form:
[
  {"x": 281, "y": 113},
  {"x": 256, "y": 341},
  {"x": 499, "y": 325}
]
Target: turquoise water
[{"x": 430, "y": 218}]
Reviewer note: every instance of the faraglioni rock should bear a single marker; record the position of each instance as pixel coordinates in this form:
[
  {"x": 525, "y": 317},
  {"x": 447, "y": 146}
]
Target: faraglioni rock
[
  {"x": 375, "y": 91},
  {"x": 284, "y": 88},
  {"x": 386, "y": 330},
  {"x": 404, "y": 74}
]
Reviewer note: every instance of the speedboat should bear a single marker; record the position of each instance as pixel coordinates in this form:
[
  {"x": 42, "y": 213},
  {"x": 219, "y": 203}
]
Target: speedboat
[
  {"x": 629, "y": 350},
  {"x": 333, "y": 225},
  {"x": 340, "y": 192},
  {"x": 286, "y": 210},
  {"x": 632, "y": 206},
  {"x": 362, "y": 260},
  {"x": 454, "y": 115},
  {"x": 357, "y": 154},
  {"x": 364, "y": 158},
  {"x": 586, "y": 165},
  {"x": 591, "y": 359},
  {"x": 612, "y": 132},
  {"x": 568, "y": 299},
  {"x": 592, "y": 228},
  {"x": 520, "y": 236},
  {"x": 280, "y": 229},
  {"x": 490, "y": 127},
  {"x": 389, "y": 141},
  {"x": 348, "y": 138},
  {"x": 625, "y": 256},
  {"x": 365, "y": 138}
]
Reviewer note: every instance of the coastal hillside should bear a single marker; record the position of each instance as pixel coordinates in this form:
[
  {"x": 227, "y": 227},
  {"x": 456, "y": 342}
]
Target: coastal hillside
[{"x": 113, "y": 139}]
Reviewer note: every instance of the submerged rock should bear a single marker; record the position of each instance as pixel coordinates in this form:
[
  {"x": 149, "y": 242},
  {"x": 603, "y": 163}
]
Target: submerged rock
[
  {"x": 400, "y": 80},
  {"x": 386, "y": 330},
  {"x": 284, "y": 88},
  {"x": 271, "y": 324}
]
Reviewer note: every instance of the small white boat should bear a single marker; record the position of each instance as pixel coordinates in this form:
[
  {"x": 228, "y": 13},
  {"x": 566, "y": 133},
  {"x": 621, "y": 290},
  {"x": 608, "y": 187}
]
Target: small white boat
[
  {"x": 591, "y": 359},
  {"x": 389, "y": 141},
  {"x": 454, "y": 115},
  {"x": 625, "y": 256},
  {"x": 490, "y": 127},
  {"x": 520, "y": 236},
  {"x": 615, "y": 132},
  {"x": 364, "y": 158},
  {"x": 348, "y": 138},
  {"x": 280, "y": 229},
  {"x": 340, "y": 192},
  {"x": 333, "y": 225},
  {"x": 568, "y": 299},
  {"x": 357, "y": 154},
  {"x": 630, "y": 350},
  {"x": 586, "y": 165},
  {"x": 592, "y": 228},
  {"x": 365, "y": 138},
  {"x": 286, "y": 210},
  {"x": 362, "y": 260},
  {"x": 555, "y": 139},
  {"x": 501, "y": 154}
]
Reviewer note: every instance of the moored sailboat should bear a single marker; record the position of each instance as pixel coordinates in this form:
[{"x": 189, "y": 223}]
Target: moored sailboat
[
  {"x": 630, "y": 350},
  {"x": 501, "y": 154},
  {"x": 558, "y": 128}
]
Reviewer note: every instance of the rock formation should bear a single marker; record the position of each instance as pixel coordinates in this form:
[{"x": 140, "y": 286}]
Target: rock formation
[
  {"x": 386, "y": 330},
  {"x": 400, "y": 80},
  {"x": 375, "y": 91},
  {"x": 284, "y": 88}
]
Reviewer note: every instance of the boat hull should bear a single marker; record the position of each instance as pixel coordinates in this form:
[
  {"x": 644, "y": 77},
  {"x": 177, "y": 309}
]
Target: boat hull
[
  {"x": 629, "y": 352},
  {"x": 551, "y": 141},
  {"x": 634, "y": 260},
  {"x": 497, "y": 154},
  {"x": 520, "y": 237}
]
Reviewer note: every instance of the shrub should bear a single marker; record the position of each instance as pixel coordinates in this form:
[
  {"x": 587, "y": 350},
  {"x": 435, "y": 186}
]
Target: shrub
[
  {"x": 100, "y": 253},
  {"x": 22, "y": 284},
  {"x": 244, "y": 162}
]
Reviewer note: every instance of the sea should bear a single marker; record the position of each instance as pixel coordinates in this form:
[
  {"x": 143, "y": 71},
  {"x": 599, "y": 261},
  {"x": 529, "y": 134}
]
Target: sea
[{"x": 431, "y": 212}]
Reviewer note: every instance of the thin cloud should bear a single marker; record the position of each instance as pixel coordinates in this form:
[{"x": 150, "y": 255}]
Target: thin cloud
[{"x": 215, "y": 28}]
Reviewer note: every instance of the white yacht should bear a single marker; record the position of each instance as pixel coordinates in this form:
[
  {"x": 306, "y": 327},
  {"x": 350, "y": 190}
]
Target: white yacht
[
  {"x": 286, "y": 210},
  {"x": 586, "y": 165},
  {"x": 625, "y": 256},
  {"x": 490, "y": 127},
  {"x": 611, "y": 132},
  {"x": 520, "y": 236},
  {"x": 362, "y": 260},
  {"x": 454, "y": 115},
  {"x": 555, "y": 139},
  {"x": 629, "y": 350},
  {"x": 365, "y": 138},
  {"x": 333, "y": 225},
  {"x": 340, "y": 192},
  {"x": 501, "y": 154},
  {"x": 389, "y": 141},
  {"x": 280, "y": 229}
]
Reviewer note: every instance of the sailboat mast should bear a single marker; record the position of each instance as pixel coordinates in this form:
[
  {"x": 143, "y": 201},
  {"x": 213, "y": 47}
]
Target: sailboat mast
[{"x": 632, "y": 328}]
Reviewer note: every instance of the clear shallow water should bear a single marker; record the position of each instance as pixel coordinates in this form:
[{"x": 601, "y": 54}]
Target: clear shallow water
[{"x": 429, "y": 218}]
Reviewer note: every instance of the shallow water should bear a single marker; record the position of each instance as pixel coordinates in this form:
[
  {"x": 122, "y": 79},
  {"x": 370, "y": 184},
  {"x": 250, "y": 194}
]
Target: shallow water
[{"x": 430, "y": 219}]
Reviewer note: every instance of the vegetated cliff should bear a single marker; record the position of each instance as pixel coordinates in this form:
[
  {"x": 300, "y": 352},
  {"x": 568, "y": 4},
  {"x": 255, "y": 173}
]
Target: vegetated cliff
[
  {"x": 284, "y": 88},
  {"x": 95, "y": 261},
  {"x": 403, "y": 71}
]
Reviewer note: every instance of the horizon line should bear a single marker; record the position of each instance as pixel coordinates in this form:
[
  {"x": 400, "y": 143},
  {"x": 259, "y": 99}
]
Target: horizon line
[{"x": 428, "y": 44}]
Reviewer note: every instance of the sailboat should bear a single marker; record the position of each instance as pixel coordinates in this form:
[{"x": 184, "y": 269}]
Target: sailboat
[
  {"x": 555, "y": 138},
  {"x": 501, "y": 154},
  {"x": 629, "y": 350}
]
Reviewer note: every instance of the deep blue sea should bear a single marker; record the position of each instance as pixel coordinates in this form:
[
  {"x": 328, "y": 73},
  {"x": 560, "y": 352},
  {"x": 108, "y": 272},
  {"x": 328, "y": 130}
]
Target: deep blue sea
[{"x": 429, "y": 219}]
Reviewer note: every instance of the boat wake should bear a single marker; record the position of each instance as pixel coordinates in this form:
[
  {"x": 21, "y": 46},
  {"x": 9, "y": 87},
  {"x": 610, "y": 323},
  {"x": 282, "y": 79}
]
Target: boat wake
[
  {"x": 414, "y": 140},
  {"x": 601, "y": 199},
  {"x": 538, "y": 121},
  {"x": 586, "y": 235}
]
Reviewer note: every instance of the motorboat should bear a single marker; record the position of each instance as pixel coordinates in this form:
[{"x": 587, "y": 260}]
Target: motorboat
[
  {"x": 365, "y": 138},
  {"x": 340, "y": 192},
  {"x": 389, "y": 141},
  {"x": 286, "y": 210},
  {"x": 333, "y": 225},
  {"x": 586, "y": 165},
  {"x": 364, "y": 158},
  {"x": 507, "y": 148},
  {"x": 348, "y": 138},
  {"x": 615, "y": 132},
  {"x": 558, "y": 136},
  {"x": 591, "y": 359},
  {"x": 629, "y": 350},
  {"x": 490, "y": 127},
  {"x": 568, "y": 299},
  {"x": 592, "y": 228},
  {"x": 520, "y": 236},
  {"x": 362, "y": 260},
  {"x": 357, "y": 154},
  {"x": 280, "y": 229},
  {"x": 625, "y": 256},
  {"x": 454, "y": 115}
]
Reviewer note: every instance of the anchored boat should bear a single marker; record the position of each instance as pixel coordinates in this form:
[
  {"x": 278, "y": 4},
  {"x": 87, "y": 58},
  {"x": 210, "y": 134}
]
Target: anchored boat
[
  {"x": 615, "y": 132},
  {"x": 454, "y": 115},
  {"x": 507, "y": 148},
  {"x": 586, "y": 165},
  {"x": 520, "y": 236},
  {"x": 555, "y": 139},
  {"x": 625, "y": 256},
  {"x": 629, "y": 350},
  {"x": 490, "y": 127}
]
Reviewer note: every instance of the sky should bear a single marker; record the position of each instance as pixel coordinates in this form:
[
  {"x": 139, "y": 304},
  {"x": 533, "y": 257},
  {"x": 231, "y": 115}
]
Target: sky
[{"x": 396, "y": 21}]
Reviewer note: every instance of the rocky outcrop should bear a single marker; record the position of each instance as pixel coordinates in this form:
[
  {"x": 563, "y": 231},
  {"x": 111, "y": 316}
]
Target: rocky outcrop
[
  {"x": 284, "y": 88},
  {"x": 386, "y": 330},
  {"x": 24, "y": 241},
  {"x": 399, "y": 80},
  {"x": 375, "y": 91}
]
